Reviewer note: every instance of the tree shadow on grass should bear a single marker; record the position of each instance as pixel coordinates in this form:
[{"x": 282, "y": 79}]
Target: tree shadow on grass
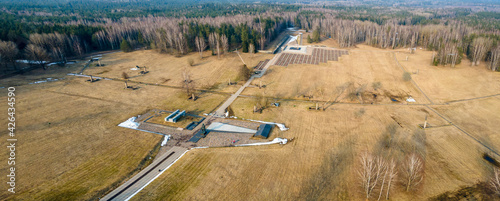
[{"x": 329, "y": 182}]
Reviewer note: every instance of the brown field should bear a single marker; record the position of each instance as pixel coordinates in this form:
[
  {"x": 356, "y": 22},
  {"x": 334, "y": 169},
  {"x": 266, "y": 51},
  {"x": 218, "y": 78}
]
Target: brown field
[
  {"x": 70, "y": 147},
  {"x": 207, "y": 73},
  {"x": 444, "y": 83},
  {"x": 322, "y": 161},
  {"x": 324, "y": 81},
  {"x": 69, "y": 144}
]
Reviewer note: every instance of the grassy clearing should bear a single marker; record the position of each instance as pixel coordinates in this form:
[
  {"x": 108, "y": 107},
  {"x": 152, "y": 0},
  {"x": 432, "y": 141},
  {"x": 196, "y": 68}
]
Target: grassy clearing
[
  {"x": 78, "y": 152},
  {"x": 444, "y": 83},
  {"x": 322, "y": 162},
  {"x": 71, "y": 146},
  {"x": 336, "y": 80},
  {"x": 207, "y": 73}
]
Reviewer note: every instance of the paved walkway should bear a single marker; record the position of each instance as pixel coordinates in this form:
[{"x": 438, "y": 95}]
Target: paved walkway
[
  {"x": 222, "y": 109},
  {"x": 146, "y": 176}
]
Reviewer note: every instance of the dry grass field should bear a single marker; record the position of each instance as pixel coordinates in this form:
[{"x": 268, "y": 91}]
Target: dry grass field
[
  {"x": 70, "y": 147},
  {"x": 444, "y": 83},
  {"x": 207, "y": 73},
  {"x": 335, "y": 80},
  {"x": 323, "y": 160},
  {"x": 69, "y": 144}
]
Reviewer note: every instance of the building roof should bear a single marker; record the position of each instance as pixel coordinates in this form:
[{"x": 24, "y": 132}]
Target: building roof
[{"x": 264, "y": 130}]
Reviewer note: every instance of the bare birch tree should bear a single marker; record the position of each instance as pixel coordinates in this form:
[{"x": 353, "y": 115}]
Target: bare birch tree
[
  {"x": 211, "y": 42},
  {"x": 262, "y": 36},
  {"x": 37, "y": 54},
  {"x": 225, "y": 43},
  {"x": 200, "y": 45},
  {"x": 251, "y": 49},
  {"x": 495, "y": 58},
  {"x": 392, "y": 173},
  {"x": 218, "y": 45},
  {"x": 371, "y": 172},
  {"x": 187, "y": 82},
  {"x": 479, "y": 49},
  {"x": 412, "y": 172},
  {"x": 8, "y": 52},
  {"x": 495, "y": 181},
  {"x": 181, "y": 44}
]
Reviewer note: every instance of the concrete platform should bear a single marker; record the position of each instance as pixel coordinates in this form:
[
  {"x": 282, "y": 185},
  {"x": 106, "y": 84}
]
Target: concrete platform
[{"x": 223, "y": 127}]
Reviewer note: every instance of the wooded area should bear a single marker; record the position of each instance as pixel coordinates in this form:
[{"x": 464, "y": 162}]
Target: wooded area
[{"x": 449, "y": 33}]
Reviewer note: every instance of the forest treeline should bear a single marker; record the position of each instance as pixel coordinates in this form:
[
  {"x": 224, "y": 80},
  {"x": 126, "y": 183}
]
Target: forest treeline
[{"x": 250, "y": 28}]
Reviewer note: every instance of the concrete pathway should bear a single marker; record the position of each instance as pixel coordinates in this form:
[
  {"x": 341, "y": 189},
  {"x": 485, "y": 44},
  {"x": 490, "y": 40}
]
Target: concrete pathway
[
  {"x": 150, "y": 173},
  {"x": 146, "y": 176},
  {"x": 222, "y": 109}
]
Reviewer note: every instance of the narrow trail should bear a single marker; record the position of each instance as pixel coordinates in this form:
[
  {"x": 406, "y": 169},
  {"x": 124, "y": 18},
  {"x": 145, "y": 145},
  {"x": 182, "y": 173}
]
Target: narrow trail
[
  {"x": 413, "y": 81},
  {"x": 463, "y": 131},
  {"x": 471, "y": 99},
  {"x": 446, "y": 103}
]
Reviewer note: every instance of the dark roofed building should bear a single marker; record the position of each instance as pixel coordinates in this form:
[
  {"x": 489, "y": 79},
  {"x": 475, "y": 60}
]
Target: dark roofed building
[{"x": 264, "y": 130}]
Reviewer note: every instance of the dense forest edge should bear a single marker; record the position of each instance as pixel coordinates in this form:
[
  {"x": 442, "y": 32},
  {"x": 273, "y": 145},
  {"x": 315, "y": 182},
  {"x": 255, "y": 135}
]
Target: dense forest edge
[{"x": 38, "y": 32}]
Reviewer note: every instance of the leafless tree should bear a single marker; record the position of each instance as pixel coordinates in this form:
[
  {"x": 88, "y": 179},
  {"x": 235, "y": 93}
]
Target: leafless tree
[
  {"x": 479, "y": 49},
  {"x": 495, "y": 181},
  {"x": 77, "y": 47},
  {"x": 262, "y": 36},
  {"x": 225, "y": 43},
  {"x": 125, "y": 76},
  {"x": 180, "y": 43},
  {"x": 495, "y": 58},
  {"x": 217, "y": 41},
  {"x": 372, "y": 169},
  {"x": 251, "y": 49},
  {"x": 211, "y": 42},
  {"x": 187, "y": 82},
  {"x": 200, "y": 45},
  {"x": 215, "y": 44},
  {"x": 391, "y": 176},
  {"x": 37, "y": 54},
  {"x": 8, "y": 52},
  {"x": 412, "y": 173}
]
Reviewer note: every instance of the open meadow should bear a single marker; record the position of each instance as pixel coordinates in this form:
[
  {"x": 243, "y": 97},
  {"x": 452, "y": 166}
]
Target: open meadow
[
  {"x": 207, "y": 73},
  {"x": 69, "y": 144},
  {"x": 323, "y": 161},
  {"x": 250, "y": 100},
  {"x": 69, "y": 139}
]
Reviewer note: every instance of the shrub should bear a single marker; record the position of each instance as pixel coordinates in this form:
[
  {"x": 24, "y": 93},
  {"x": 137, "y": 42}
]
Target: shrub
[
  {"x": 406, "y": 76},
  {"x": 376, "y": 85},
  {"x": 360, "y": 112},
  {"x": 190, "y": 62},
  {"x": 125, "y": 75},
  {"x": 245, "y": 73}
]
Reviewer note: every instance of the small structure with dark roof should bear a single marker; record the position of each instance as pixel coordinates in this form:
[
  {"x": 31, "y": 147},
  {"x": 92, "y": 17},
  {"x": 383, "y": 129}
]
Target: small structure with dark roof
[{"x": 264, "y": 130}]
